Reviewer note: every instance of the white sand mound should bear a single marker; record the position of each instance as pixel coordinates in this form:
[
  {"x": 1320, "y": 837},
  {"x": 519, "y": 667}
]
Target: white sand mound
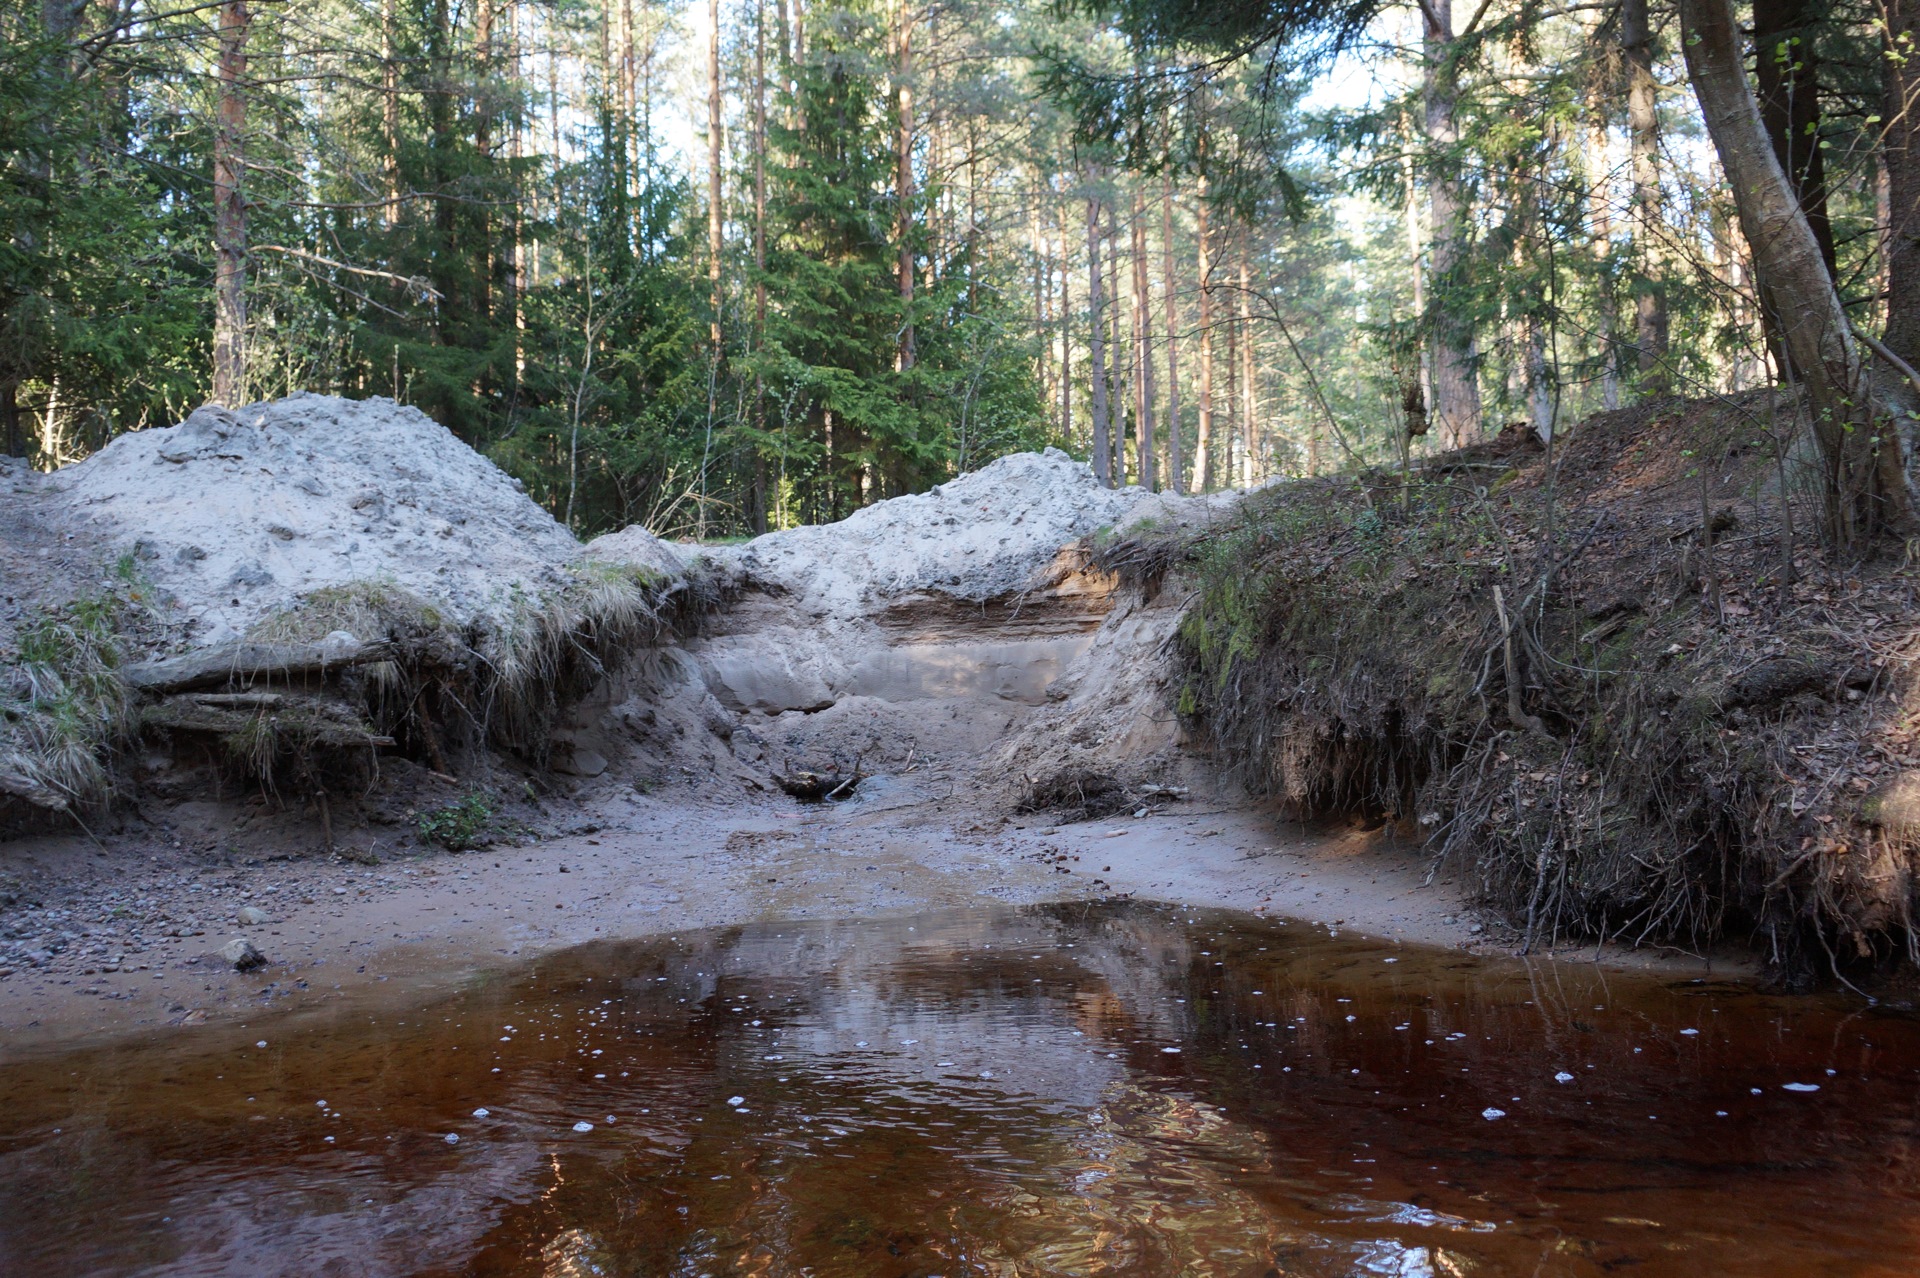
[
  {"x": 240, "y": 513},
  {"x": 636, "y": 546},
  {"x": 981, "y": 536},
  {"x": 864, "y": 608}
]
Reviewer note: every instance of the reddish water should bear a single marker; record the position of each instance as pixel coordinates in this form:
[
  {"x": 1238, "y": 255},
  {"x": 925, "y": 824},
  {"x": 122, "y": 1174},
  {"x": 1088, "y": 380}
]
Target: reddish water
[{"x": 1128, "y": 1090}]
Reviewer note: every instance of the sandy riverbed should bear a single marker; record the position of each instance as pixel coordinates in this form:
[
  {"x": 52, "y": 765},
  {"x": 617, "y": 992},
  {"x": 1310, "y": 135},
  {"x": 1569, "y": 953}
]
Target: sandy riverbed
[{"x": 341, "y": 932}]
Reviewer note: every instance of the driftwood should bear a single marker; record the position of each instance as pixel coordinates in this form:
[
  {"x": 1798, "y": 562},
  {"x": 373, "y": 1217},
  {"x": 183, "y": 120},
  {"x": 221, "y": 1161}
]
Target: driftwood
[
  {"x": 32, "y": 791},
  {"x": 817, "y": 787},
  {"x": 313, "y": 722},
  {"x": 244, "y": 662}
]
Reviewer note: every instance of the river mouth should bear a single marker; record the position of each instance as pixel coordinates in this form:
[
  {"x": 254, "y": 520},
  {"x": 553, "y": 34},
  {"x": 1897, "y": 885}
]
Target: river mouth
[{"x": 1072, "y": 1089}]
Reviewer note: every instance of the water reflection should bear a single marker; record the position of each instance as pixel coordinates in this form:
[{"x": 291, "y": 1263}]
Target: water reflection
[{"x": 1077, "y": 1089}]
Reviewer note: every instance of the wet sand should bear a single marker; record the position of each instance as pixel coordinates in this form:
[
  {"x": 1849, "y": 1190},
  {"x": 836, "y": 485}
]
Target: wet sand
[{"x": 650, "y": 866}]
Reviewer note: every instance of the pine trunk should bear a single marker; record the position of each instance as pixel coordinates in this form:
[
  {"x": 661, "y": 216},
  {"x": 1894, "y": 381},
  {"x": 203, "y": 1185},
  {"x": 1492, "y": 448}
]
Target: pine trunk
[
  {"x": 1143, "y": 389},
  {"x": 903, "y": 176},
  {"x": 1643, "y": 128},
  {"x": 1863, "y": 473},
  {"x": 1096, "y": 350},
  {"x": 1901, "y": 110},
  {"x": 230, "y": 210},
  {"x": 1456, "y": 387},
  {"x": 1175, "y": 474},
  {"x": 1203, "y": 428}
]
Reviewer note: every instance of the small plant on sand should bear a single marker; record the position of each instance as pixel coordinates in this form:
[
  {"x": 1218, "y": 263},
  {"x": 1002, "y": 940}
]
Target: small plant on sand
[{"x": 460, "y": 825}]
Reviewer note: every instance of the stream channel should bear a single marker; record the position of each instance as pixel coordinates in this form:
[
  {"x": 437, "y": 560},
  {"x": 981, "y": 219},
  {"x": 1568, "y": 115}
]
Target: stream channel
[{"x": 1119, "y": 1088}]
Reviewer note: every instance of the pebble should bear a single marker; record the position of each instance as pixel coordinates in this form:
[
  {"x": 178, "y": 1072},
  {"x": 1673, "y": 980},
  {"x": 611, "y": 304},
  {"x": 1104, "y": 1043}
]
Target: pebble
[{"x": 253, "y": 916}]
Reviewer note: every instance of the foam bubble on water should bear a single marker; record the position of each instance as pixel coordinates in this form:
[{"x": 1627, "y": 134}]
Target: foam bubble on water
[
  {"x": 583, "y": 1126},
  {"x": 1171, "y": 1051},
  {"x": 1490, "y": 1113},
  {"x": 1800, "y": 1087},
  {"x": 736, "y": 1101},
  {"x": 482, "y": 1112},
  {"x": 453, "y": 1138},
  {"x": 1563, "y": 1077}
]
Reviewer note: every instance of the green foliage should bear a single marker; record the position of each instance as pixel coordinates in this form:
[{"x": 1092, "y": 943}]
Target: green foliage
[{"x": 460, "y": 826}]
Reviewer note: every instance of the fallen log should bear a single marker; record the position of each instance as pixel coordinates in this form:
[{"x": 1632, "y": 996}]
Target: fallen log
[
  {"x": 32, "y": 791},
  {"x": 245, "y": 662},
  {"x": 310, "y": 723}
]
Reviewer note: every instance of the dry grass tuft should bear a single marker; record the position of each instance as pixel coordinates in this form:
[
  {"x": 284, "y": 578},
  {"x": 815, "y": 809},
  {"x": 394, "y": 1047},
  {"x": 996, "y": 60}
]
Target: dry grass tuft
[{"x": 63, "y": 708}]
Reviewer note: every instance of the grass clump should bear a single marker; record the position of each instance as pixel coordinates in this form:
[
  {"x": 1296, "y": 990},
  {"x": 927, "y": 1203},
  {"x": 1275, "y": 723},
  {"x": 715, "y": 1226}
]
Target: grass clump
[
  {"x": 63, "y": 706},
  {"x": 549, "y": 651}
]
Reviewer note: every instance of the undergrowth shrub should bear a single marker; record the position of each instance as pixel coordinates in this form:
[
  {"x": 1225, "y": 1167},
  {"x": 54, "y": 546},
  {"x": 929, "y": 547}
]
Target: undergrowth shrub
[{"x": 461, "y": 825}]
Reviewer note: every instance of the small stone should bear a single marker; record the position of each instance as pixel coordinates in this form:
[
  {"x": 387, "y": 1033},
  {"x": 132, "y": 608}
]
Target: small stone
[
  {"x": 241, "y": 953},
  {"x": 1477, "y": 929},
  {"x": 253, "y": 916}
]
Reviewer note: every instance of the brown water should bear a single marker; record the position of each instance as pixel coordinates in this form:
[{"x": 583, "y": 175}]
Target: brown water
[{"x": 1069, "y": 1090}]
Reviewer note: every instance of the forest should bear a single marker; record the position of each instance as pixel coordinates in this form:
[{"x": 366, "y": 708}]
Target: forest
[{"x": 722, "y": 268}]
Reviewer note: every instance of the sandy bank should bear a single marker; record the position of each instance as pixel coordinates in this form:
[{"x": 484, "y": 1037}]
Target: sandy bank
[{"x": 342, "y": 935}]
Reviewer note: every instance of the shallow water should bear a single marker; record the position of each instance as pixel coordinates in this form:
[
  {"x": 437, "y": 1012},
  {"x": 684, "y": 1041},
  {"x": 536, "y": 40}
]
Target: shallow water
[{"x": 1066, "y": 1090}]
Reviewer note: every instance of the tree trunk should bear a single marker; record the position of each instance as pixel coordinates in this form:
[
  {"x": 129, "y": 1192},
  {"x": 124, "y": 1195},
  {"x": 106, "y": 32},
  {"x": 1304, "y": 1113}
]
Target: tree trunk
[
  {"x": 1249, "y": 390},
  {"x": 1901, "y": 108},
  {"x": 903, "y": 175},
  {"x": 1787, "y": 69},
  {"x": 389, "y": 114},
  {"x": 483, "y": 147},
  {"x": 1456, "y": 387},
  {"x": 1863, "y": 473},
  {"x": 1235, "y": 452},
  {"x": 1175, "y": 474},
  {"x": 1143, "y": 389},
  {"x": 1600, "y": 225},
  {"x": 1066, "y": 334},
  {"x": 1097, "y": 349},
  {"x": 1116, "y": 374},
  {"x": 10, "y": 417},
  {"x": 757, "y": 506},
  {"x": 1643, "y": 126},
  {"x": 1203, "y": 428},
  {"x": 230, "y": 210}
]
